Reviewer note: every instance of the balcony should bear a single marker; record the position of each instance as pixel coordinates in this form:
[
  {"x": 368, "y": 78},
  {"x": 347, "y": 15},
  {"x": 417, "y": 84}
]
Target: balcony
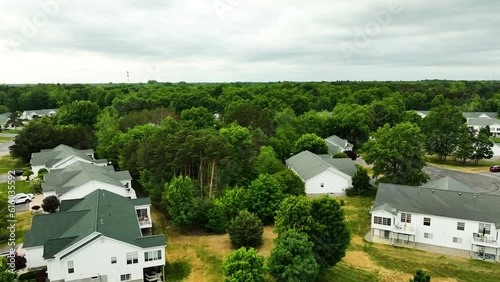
[
  {"x": 404, "y": 229},
  {"x": 145, "y": 222},
  {"x": 484, "y": 241}
]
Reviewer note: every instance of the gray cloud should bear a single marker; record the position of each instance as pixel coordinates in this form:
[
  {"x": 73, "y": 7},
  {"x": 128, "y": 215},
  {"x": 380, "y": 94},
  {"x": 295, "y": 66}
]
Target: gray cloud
[{"x": 222, "y": 40}]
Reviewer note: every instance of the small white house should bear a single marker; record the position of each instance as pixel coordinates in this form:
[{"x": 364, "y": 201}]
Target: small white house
[
  {"x": 437, "y": 216},
  {"x": 322, "y": 174},
  {"x": 61, "y": 157},
  {"x": 97, "y": 238},
  {"x": 337, "y": 145},
  {"x": 81, "y": 178},
  {"x": 34, "y": 114}
]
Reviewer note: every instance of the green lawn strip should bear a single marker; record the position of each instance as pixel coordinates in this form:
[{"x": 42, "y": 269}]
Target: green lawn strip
[
  {"x": 10, "y": 131},
  {"x": 495, "y": 139},
  {"x": 457, "y": 163},
  {"x": 7, "y": 163},
  {"x": 22, "y": 186},
  {"x": 343, "y": 272},
  {"x": 5, "y": 139},
  {"x": 409, "y": 260}
]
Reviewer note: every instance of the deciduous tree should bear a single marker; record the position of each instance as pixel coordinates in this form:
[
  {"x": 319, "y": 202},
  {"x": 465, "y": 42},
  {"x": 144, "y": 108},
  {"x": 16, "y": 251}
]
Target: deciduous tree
[
  {"x": 178, "y": 196},
  {"x": 397, "y": 153},
  {"x": 245, "y": 230},
  {"x": 266, "y": 194},
  {"x": 50, "y": 204},
  {"x": 312, "y": 143}
]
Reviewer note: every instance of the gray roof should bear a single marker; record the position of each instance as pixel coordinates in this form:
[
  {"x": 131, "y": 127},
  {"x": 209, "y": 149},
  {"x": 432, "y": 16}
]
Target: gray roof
[
  {"x": 482, "y": 121},
  {"x": 79, "y": 173},
  {"x": 308, "y": 165},
  {"x": 346, "y": 165},
  {"x": 101, "y": 211},
  {"x": 49, "y": 157},
  {"x": 42, "y": 112},
  {"x": 4, "y": 118},
  {"x": 448, "y": 183},
  {"x": 446, "y": 203},
  {"x": 478, "y": 114},
  {"x": 334, "y": 144}
]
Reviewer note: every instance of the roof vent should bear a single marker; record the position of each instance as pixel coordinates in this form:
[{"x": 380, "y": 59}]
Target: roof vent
[
  {"x": 102, "y": 221},
  {"x": 432, "y": 191},
  {"x": 475, "y": 196},
  {"x": 459, "y": 194}
]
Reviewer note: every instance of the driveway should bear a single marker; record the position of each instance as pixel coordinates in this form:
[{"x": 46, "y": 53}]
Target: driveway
[
  {"x": 4, "y": 147},
  {"x": 483, "y": 182}
]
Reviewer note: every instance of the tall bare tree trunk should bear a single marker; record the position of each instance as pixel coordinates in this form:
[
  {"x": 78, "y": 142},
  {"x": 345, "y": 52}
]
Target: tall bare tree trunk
[
  {"x": 201, "y": 176},
  {"x": 211, "y": 180}
]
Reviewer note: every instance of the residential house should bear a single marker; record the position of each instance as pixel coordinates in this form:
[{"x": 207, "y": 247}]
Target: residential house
[
  {"x": 4, "y": 118},
  {"x": 322, "y": 174},
  {"x": 441, "y": 215},
  {"x": 478, "y": 123},
  {"x": 337, "y": 145},
  {"x": 101, "y": 237},
  {"x": 62, "y": 156},
  {"x": 34, "y": 114},
  {"x": 81, "y": 178}
]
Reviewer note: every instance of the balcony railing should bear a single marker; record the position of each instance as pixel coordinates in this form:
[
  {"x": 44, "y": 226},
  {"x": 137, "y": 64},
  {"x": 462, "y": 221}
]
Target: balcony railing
[
  {"x": 404, "y": 228},
  {"x": 485, "y": 241}
]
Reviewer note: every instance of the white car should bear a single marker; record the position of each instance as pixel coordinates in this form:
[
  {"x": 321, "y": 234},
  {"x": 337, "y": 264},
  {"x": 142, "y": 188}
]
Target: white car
[{"x": 21, "y": 198}]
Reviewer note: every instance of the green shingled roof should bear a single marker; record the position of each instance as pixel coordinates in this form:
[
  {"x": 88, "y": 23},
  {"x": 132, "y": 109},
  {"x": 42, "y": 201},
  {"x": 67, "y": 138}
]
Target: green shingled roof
[
  {"x": 100, "y": 212},
  {"x": 446, "y": 203},
  {"x": 308, "y": 165},
  {"x": 49, "y": 157},
  {"x": 448, "y": 183},
  {"x": 482, "y": 121},
  {"x": 79, "y": 173}
]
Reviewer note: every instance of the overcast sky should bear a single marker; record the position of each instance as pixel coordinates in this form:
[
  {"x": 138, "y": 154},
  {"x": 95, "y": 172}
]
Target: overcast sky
[{"x": 69, "y": 41}]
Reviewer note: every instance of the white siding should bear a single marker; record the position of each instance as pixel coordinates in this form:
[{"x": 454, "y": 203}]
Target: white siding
[
  {"x": 95, "y": 259},
  {"x": 84, "y": 190},
  {"x": 36, "y": 168},
  {"x": 332, "y": 180},
  {"x": 34, "y": 257}
]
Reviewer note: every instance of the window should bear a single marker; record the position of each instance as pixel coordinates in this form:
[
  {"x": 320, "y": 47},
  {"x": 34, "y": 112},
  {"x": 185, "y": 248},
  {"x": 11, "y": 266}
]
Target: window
[
  {"x": 152, "y": 255},
  {"x": 132, "y": 258},
  {"x": 461, "y": 226},
  {"x": 484, "y": 228},
  {"x": 382, "y": 220},
  {"x": 71, "y": 267},
  {"x": 387, "y": 234},
  {"x": 125, "y": 277},
  {"x": 406, "y": 217},
  {"x": 428, "y": 235},
  {"x": 457, "y": 240},
  {"x": 427, "y": 221},
  {"x": 113, "y": 259}
]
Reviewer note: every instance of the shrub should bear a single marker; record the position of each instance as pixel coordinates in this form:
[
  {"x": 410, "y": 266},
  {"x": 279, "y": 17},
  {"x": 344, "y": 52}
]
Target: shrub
[
  {"x": 361, "y": 180},
  {"x": 420, "y": 276},
  {"x": 340, "y": 155},
  {"x": 28, "y": 276},
  {"x": 245, "y": 230},
  {"x": 293, "y": 258},
  {"x": 351, "y": 192},
  {"x": 245, "y": 266},
  {"x": 50, "y": 204},
  {"x": 28, "y": 173},
  {"x": 217, "y": 217},
  {"x": 351, "y": 154},
  {"x": 36, "y": 186}
]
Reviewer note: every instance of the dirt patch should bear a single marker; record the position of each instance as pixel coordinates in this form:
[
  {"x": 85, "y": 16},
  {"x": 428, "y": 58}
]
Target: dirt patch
[
  {"x": 267, "y": 241},
  {"x": 360, "y": 260}
]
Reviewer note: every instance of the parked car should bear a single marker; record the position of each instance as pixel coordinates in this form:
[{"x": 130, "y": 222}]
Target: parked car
[
  {"x": 17, "y": 172},
  {"x": 495, "y": 168},
  {"x": 21, "y": 198}
]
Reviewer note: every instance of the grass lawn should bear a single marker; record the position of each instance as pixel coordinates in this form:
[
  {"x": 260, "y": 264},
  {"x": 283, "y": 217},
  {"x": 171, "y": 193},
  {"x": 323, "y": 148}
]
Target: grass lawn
[
  {"x": 469, "y": 166},
  {"x": 5, "y": 139},
  {"x": 199, "y": 257},
  {"x": 23, "y": 223},
  {"x": 22, "y": 186},
  {"x": 8, "y": 163},
  {"x": 11, "y": 131},
  {"x": 495, "y": 139}
]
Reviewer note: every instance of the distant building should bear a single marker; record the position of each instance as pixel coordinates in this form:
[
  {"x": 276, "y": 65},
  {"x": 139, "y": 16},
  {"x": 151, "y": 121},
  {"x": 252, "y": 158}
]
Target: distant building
[
  {"x": 337, "y": 145},
  {"x": 34, "y": 114},
  {"x": 98, "y": 238},
  {"x": 322, "y": 174}
]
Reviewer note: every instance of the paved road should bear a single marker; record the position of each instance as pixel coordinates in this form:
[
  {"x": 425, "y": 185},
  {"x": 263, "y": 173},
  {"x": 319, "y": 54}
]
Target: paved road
[
  {"x": 4, "y": 147},
  {"x": 484, "y": 182}
]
